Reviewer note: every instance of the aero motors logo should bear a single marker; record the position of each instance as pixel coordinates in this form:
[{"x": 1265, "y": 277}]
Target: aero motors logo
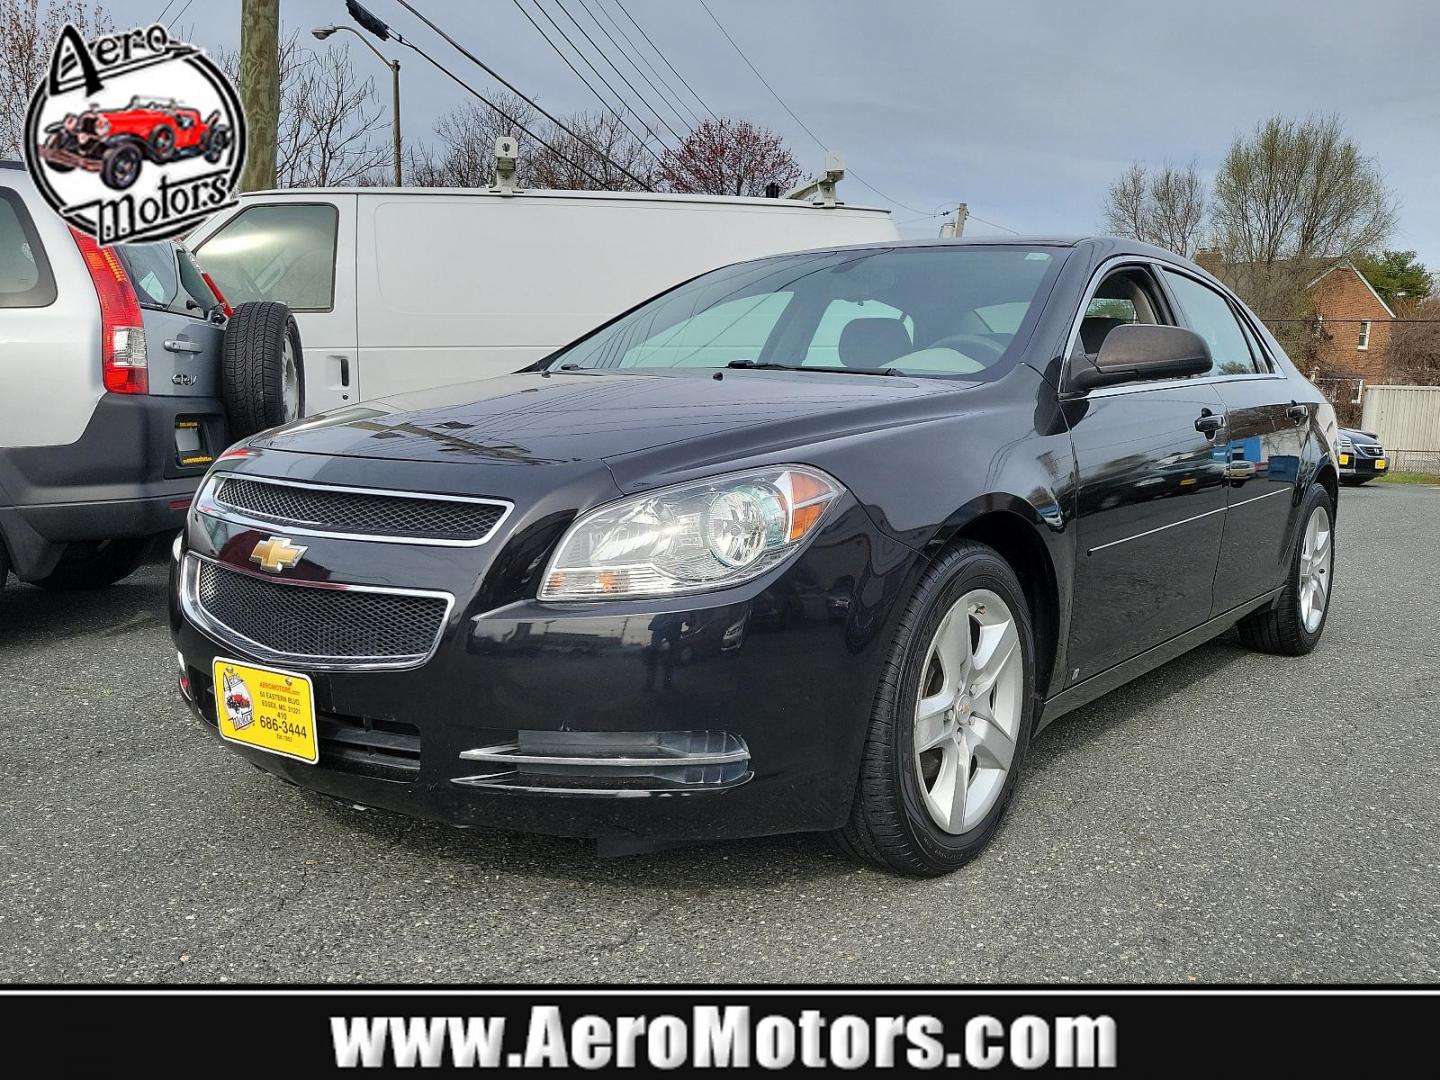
[{"x": 134, "y": 136}]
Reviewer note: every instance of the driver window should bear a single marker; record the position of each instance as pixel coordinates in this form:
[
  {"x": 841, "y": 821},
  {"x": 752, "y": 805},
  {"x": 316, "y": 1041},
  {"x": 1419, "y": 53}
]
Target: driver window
[{"x": 1126, "y": 296}]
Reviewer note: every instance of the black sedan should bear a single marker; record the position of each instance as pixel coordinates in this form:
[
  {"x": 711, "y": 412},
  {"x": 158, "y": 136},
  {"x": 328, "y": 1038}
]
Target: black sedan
[
  {"x": 1361, "y": 457},
  {"x": 812, "y": 543}
]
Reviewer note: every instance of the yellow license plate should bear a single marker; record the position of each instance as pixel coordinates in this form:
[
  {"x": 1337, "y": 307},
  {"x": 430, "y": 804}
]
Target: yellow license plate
[
  {"x": 1379, "y": 463},
  {"x": 268, "y": 709},
  {"x": 1344, "y": 459}
]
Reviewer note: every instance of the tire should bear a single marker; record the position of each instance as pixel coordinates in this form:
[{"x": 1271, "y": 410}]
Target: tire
[
  {"x": 891, "y": 823},
  {"x": 93, "y": 565},
  {"x": 262, "y": 377},
  {"x": 1287, "y": 629},
  {"x": 120, "y": 167},
  {"x": 4, "y": 563},
  {"x": 162, "y": 142}
]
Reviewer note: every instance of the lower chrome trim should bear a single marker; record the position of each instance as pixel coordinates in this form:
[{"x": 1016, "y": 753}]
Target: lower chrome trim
[
  {"x": 1187, "y": 521},
  {"x": 509, "y": 754},
  {"x": 225, "y": 635}
]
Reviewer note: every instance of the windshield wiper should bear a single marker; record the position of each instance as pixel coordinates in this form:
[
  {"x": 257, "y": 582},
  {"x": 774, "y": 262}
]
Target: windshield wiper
[{"x": 812, "y": 367}]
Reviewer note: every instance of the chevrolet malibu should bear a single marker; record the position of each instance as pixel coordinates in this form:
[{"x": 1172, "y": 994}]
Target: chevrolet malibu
[{"x": 813, "y": 543}]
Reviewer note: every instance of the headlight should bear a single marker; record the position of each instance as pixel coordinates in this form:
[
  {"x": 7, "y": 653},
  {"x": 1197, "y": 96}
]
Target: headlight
[{"x": 705, "y": 535}]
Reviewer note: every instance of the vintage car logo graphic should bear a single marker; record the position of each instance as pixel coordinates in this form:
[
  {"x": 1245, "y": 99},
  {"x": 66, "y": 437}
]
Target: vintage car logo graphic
[
  {"x": 276, "y": 553},
  {"x": 134, "y": 136},
  {"x": 236, "y": 700}
]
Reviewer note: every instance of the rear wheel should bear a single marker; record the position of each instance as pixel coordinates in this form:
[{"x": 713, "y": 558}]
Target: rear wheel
[
  {"x": 1293, "y": 626},
  {"x": 262, "y": 377},
  {"x": 952, "y": 719},
  {"x": 120, "y": 166},
  {"x": 95, "y": 564}
]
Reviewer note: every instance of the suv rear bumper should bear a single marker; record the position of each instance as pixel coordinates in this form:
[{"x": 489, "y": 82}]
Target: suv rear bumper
[{"x": 120, "y": 479}]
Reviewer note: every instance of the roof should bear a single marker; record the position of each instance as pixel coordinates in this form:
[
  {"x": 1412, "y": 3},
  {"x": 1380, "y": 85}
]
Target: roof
[
  {"x": 578, "y": 193},
  {"x": 1366, "y": 281}
]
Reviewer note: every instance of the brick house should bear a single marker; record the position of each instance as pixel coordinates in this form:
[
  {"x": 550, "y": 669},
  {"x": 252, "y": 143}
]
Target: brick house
[
  {"x": 1352, "y": 323},
  {"x": 1347, "y": 335}
]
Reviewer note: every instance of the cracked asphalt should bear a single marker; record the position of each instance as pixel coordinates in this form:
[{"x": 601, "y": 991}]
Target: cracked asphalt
[{"x": 1230, "y": 817}]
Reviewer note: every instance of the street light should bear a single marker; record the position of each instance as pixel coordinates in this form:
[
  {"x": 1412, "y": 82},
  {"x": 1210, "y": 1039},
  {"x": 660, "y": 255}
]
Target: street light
[{"x": 323, "y": 32}]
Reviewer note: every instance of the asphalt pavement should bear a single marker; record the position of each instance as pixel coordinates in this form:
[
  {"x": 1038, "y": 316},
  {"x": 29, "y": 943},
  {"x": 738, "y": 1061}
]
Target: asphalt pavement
[{"x": 1229, "y": 817}]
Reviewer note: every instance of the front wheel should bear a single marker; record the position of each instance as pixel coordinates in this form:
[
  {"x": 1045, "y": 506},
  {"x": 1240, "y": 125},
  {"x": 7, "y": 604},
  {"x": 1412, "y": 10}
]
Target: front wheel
[
  {"x": 951, "y": 722},
  {"x": 1292, "y": 627},
  {"x": 120, "y": 166}
]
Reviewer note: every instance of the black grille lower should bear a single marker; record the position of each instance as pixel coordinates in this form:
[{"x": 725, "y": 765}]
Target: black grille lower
[
  {"x": 327, "y": 624},
  {"x": 362, "y": 513},
  {"x": 386, "y": 749}
]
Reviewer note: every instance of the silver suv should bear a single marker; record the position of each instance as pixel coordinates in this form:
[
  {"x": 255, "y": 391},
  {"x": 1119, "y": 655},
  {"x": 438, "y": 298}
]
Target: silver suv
[{"x": 125, "y": 374}]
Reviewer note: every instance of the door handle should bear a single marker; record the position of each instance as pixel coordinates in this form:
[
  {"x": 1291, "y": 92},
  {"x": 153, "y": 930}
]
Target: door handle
[
  {"x": 344, "y": 362},
  {"x": 1209, "y": 423},
  {"x": 176, "y": 345},
  {"x": 1297, "y": 412}
]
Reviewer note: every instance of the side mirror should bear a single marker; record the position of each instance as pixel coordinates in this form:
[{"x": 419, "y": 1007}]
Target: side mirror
[{"x": 1136, "y": 352}]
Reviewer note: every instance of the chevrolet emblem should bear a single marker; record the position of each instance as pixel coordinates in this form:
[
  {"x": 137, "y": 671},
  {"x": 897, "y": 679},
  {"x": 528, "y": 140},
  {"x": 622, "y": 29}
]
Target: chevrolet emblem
[{"x": 277, "y": 553}]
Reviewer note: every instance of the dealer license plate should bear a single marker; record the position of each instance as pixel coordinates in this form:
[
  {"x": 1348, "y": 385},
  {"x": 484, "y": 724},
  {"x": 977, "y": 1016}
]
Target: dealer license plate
[
  {"x": 266, "y": 708},
  {"x": 1379, "y": 464}
]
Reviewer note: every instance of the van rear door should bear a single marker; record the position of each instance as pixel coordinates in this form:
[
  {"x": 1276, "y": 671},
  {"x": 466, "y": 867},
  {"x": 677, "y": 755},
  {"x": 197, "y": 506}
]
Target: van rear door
[{"x": 300, "y": 251}]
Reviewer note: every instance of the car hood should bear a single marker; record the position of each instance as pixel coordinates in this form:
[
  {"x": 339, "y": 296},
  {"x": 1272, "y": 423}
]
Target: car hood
[
  {"x": 1364, "y": 438},
  {"x": 535, "y": 418}
]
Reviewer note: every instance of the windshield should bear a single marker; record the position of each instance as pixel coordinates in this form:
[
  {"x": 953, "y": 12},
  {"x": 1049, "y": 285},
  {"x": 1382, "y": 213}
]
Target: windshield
[{"x": 928, "y": 311}]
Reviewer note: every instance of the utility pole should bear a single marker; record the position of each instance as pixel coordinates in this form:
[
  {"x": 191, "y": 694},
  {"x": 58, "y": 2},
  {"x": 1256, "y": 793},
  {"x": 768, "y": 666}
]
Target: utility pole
[
  {"x": 956, "y": 228},
  {"x": 260, "y": 89}
]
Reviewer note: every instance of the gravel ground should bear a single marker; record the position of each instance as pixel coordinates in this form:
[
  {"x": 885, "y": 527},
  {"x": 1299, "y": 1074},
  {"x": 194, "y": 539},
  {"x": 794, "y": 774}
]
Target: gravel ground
[{"x": 1230, "y": 817}]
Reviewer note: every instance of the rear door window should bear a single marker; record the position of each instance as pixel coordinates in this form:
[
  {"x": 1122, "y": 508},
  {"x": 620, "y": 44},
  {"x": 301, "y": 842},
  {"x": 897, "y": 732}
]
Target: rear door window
[
  {"x": 1210, "y": 315},
  {"x": 25, "y": 278},
  {"x": 280, "y": 251}
]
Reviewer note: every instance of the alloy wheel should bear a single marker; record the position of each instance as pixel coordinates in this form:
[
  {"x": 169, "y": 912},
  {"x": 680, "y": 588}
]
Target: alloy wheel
[
  {"x": 967, "y": 716},
  {"x": 1317, "y": 558},
  {"x": 289, "y": 382}
]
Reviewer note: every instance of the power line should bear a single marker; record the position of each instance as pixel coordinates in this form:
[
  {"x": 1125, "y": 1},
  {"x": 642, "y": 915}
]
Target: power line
[
  {"x": 168, "y": 5},
  {"x": 528, "y": 100},
  {"x": 631, "y": 61},
  {"x": 176, "y": 17},
  {"x": 674, "y": 97},
  {"x": 765, "y": 82},
  {"x": 666, "y": 61},
  {"x": 599, "y": 96},
  {"x": 603, "y": 56},
  {"x": 993, "y": 224},
  {"x": 501, "y": 112}
]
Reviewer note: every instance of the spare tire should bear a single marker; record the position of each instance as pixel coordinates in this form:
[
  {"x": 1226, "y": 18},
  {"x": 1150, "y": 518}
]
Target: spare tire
[{"x": 262, "y": 378}]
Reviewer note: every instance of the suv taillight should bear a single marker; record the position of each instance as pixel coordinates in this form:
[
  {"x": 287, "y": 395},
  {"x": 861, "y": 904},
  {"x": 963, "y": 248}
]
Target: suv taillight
[{"x": 123, "y": 359}]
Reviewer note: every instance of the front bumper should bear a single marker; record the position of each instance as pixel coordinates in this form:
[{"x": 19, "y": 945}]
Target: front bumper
[
  {"x": 1355, "y": 464},
  {"x": 761, "y": 695}
]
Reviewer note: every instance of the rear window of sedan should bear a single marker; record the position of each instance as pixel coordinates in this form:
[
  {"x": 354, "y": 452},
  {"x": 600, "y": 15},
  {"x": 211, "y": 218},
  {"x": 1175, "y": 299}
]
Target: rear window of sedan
[{"x": 930, "y": 311}]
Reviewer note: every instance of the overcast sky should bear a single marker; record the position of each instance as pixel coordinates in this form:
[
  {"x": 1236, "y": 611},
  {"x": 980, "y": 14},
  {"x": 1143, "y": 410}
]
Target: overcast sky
[{"x": 1024, "y": 109}]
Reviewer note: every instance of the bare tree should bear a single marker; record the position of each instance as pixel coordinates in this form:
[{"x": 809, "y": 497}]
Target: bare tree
[
  {"x": 1163, "y": 206},
  {"x": 601, "y": 147},
  {"x": 28, "y": 30},
  {"x": 597, "y": 145},
  {"x": 329, "y": 117},
  {"x": 463, "y": 154},
  {"x": 1415, "y": 346},
  {"x": 729, "y": 157},
  {"x": 1291, "y": 198}
]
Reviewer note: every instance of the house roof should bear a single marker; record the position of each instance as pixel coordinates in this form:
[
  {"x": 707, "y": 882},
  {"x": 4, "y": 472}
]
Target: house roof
[{"x": 1356, "y": 271}]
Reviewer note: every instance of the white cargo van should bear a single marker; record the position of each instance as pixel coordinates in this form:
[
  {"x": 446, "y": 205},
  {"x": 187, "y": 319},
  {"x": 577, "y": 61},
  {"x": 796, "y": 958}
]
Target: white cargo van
[{"x": 406, "y": 288}]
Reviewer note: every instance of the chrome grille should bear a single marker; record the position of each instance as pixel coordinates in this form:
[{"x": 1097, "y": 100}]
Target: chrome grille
[
  {"x": 318, "y": 626},
  {"x": 1369, "y": 450},
  {"x": 358, "y": 512}
]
